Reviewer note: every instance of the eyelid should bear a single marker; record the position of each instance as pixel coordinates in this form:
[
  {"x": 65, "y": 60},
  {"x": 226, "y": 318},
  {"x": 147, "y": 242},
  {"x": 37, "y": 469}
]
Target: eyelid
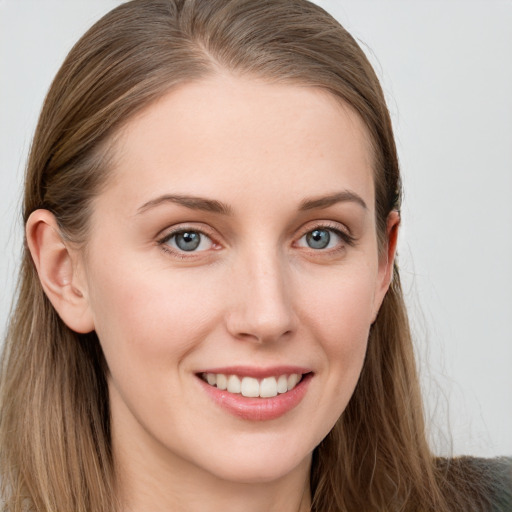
[
  {"x": 180, "y": 227},
  {"x": 165, "y": 235},
  {"x": 342, "y": 231}
]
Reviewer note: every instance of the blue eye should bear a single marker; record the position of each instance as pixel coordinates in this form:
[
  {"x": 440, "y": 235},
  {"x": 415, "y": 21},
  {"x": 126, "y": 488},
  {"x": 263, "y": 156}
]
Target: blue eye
[
  {"x": 318, "y": 238},
  {"x": 189, "y": 241},
  {"x": 322, "y": 238}
]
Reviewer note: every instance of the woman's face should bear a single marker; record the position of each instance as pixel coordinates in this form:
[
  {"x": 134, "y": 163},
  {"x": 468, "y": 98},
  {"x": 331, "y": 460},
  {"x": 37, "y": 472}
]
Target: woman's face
[{"x": 235, "y": 246}]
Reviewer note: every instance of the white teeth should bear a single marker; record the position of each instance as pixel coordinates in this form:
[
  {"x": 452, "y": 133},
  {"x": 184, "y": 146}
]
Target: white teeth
[
  {"x": 292, "y": 380},
  {"x": 251, "y": 387},
  {"x": 222, "y": 381},
  {"x": 234, "y": 384},
  {"x": 282, "y": 384},
  {"x": 268, "y": 387}
]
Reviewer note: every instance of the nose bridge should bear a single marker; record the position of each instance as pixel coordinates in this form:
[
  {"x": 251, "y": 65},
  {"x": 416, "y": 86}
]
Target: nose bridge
[{"x": 262, "y": 308}]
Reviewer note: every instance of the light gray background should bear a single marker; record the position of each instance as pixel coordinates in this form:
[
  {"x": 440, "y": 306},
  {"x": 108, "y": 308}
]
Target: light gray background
[{"x": 446, "y": 68}]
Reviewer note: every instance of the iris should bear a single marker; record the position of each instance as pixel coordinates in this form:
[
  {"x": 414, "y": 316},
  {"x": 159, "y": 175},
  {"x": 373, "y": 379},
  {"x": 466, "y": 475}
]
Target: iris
[
  {"x": 187, "y": 240},
  {"x": 318, "y": 238}
]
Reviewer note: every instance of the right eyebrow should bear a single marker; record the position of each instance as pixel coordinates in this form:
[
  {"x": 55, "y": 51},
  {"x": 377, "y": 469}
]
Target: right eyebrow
[{"x": 192, "y": 202}]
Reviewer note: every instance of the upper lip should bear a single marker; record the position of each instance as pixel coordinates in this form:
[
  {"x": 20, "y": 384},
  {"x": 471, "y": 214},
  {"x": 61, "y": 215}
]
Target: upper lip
[{"x": 257, "y": 372}]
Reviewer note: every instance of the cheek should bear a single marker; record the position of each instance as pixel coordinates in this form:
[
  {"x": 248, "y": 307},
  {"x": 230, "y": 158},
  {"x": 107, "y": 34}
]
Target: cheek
[
  {"x": 343, "y": 306},
  {"x": 341, "y": 317},
  {"x": 151, "y": 315}
]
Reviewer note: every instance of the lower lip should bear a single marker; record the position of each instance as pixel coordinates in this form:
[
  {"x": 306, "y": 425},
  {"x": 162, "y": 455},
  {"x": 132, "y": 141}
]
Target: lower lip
[{"x": 258, "y": 409}]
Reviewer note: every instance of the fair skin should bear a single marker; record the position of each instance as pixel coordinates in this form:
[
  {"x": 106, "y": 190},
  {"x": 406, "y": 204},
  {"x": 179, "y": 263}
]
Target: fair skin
[{"x": 280, "y": 273}]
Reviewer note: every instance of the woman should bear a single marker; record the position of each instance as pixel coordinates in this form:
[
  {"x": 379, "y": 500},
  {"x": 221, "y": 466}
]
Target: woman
[{"x": 209, "y": 313}]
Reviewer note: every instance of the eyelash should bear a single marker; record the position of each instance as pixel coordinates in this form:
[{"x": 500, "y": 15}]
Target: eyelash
[
  {"x": 326, "y": 226},
  {"x": 347, "y": 238},
  {"x": 162, "y": 242}
]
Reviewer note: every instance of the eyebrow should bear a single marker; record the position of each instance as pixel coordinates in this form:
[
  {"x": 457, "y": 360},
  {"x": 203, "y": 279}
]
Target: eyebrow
[
  {"x": 326, "y": 201},
  {"x": 214, "y": 206},
  {"x": 192, "y": 202}
]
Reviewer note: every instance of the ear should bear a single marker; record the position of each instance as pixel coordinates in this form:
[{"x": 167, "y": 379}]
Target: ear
[
  {"x": 387, "y": 260},
  {"x": 58, "y": 269}
]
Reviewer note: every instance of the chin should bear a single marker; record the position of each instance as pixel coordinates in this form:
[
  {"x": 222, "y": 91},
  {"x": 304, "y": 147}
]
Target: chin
[
  {"x": 258, "y": 459},
  {"x": 265, "y": 471}
]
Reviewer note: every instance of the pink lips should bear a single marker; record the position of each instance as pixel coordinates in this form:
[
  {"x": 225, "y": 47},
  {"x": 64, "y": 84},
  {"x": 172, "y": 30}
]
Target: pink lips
[{"x": 258, "y": 409}]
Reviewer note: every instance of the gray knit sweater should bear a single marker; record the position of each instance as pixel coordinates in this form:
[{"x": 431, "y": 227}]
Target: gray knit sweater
[{"x": 488, "y": 482}]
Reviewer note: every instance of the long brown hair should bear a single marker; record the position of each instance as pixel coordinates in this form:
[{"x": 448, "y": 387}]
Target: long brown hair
[{"x": 55, "y": 450}]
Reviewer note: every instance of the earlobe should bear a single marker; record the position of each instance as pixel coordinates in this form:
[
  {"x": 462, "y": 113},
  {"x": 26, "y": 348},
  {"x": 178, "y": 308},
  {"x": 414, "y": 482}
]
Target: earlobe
[{"x": 56, "y": 266}]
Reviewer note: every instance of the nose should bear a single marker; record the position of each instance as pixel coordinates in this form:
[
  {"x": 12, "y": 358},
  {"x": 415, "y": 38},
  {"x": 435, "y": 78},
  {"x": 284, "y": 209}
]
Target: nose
[{"x": 261, "y": 305}]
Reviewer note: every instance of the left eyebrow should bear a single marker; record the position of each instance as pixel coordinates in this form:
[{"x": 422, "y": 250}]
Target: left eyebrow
[{"x": 326, "y": 201}]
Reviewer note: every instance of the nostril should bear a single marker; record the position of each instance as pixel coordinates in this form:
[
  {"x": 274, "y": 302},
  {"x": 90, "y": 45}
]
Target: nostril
[{"x": 263, "y": 336}]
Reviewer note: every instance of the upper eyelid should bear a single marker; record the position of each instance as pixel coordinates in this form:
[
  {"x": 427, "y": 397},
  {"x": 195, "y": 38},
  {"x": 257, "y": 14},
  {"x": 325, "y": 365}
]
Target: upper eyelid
[
  {"x": 169, "y": 232},
  {"x": 324, "y": 224}
]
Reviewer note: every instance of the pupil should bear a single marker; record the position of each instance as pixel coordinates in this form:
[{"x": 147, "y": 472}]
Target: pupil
[
  {"x": 318, "y": 239},
  {"x": 188, "y": 241}
]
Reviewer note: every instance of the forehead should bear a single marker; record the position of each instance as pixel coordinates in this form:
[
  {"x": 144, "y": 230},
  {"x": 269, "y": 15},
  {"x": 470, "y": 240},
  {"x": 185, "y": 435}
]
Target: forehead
[{"x": 230, "y": 135}]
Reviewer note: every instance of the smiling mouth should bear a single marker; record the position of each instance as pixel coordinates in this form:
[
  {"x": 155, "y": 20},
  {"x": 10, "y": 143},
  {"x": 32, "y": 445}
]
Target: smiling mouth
[{"x": 251, "y": 387}]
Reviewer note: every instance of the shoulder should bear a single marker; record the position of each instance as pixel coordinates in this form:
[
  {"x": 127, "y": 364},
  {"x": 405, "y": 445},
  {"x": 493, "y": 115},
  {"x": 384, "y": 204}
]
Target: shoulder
[
  {"x": 498, "y": 473},
  {"x": 489, "y": 481}
]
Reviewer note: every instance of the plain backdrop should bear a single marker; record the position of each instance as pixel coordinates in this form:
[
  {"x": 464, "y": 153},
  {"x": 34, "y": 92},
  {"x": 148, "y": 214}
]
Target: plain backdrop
[{"x": 446, "y": 68}]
